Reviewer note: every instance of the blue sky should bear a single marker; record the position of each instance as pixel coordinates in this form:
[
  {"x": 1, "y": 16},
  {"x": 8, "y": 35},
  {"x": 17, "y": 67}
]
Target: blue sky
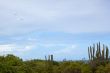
[{"x": 65, "y": 28}]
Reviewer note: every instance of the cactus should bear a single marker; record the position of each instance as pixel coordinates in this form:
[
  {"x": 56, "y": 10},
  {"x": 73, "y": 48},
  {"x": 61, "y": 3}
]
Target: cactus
[
  {"x": 98, "y": 54},
  {"x": 51, "y": 58},
  {"x": 49, "y": 63},
  {"x": 93, "y": 51},
  {"x": 89, "y": 53},
  {"x": 107, "y": 53},
  {"x": 99, "y": 51},
  {"x": 103, "y": 52}
]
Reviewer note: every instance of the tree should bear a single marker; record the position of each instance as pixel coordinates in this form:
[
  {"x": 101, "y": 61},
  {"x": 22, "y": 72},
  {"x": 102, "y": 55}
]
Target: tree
[
  {"x": 100, "y": 69},
  {"x": 85, "y": 68}
]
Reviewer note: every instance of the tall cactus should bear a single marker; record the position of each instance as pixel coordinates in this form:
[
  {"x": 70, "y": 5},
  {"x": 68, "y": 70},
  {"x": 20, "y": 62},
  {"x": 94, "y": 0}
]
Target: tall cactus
[
  {"x": 103, "y": 52},
  {"x": 51, "y": 58},
  {"x": 93, "y": 51},
  {"x": 98, "y": 54},
  {"x": 89, "y": 53},
  {"x": 49, "y": 64},
  {"x": 99, "y": 51},
  {"x": 107, "y": 53}
]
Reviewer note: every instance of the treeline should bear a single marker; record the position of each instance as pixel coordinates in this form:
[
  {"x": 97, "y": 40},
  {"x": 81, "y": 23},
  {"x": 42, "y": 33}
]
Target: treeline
[{"x": 98, "y": 63}]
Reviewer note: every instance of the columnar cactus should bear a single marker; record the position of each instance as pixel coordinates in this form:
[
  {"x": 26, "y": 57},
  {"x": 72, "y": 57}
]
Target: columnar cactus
[
  {"x": 98, "y": 54},
  {"x": 103, "y": 52},
  {"x": 49, "y": 63},
  {"x": 107, "y": 53},
  {"x": 93, "y": 51},
  {"x": 89, "y": 53}
]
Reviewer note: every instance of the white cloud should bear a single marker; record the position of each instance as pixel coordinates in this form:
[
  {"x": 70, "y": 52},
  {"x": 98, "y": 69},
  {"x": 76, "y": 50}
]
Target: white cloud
[
  {"x": 12, "y": 48},
  {"x": 7, "y": 48}
]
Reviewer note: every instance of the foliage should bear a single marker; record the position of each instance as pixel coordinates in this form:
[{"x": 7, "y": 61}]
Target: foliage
[
  {"x": 98, "y": 63},
  {"x": 13, "y": 64}
]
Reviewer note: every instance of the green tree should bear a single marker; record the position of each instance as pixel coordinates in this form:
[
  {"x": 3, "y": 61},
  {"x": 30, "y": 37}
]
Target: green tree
[
  {"x": 100, "y": 69},
  {"x": 85, "y": 68}
]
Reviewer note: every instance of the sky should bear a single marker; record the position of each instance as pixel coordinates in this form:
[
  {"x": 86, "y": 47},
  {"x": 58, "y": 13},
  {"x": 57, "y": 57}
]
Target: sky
[{"x": 33, "y": 29}]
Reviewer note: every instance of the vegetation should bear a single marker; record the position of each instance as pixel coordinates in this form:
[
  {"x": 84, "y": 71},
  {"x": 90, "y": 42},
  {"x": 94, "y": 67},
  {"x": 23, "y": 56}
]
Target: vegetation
[{"x": 98, "y": 63}]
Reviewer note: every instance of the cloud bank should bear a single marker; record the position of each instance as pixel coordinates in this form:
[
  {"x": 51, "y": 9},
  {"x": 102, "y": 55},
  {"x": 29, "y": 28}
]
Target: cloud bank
[{"x": 25, "y": 16}]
